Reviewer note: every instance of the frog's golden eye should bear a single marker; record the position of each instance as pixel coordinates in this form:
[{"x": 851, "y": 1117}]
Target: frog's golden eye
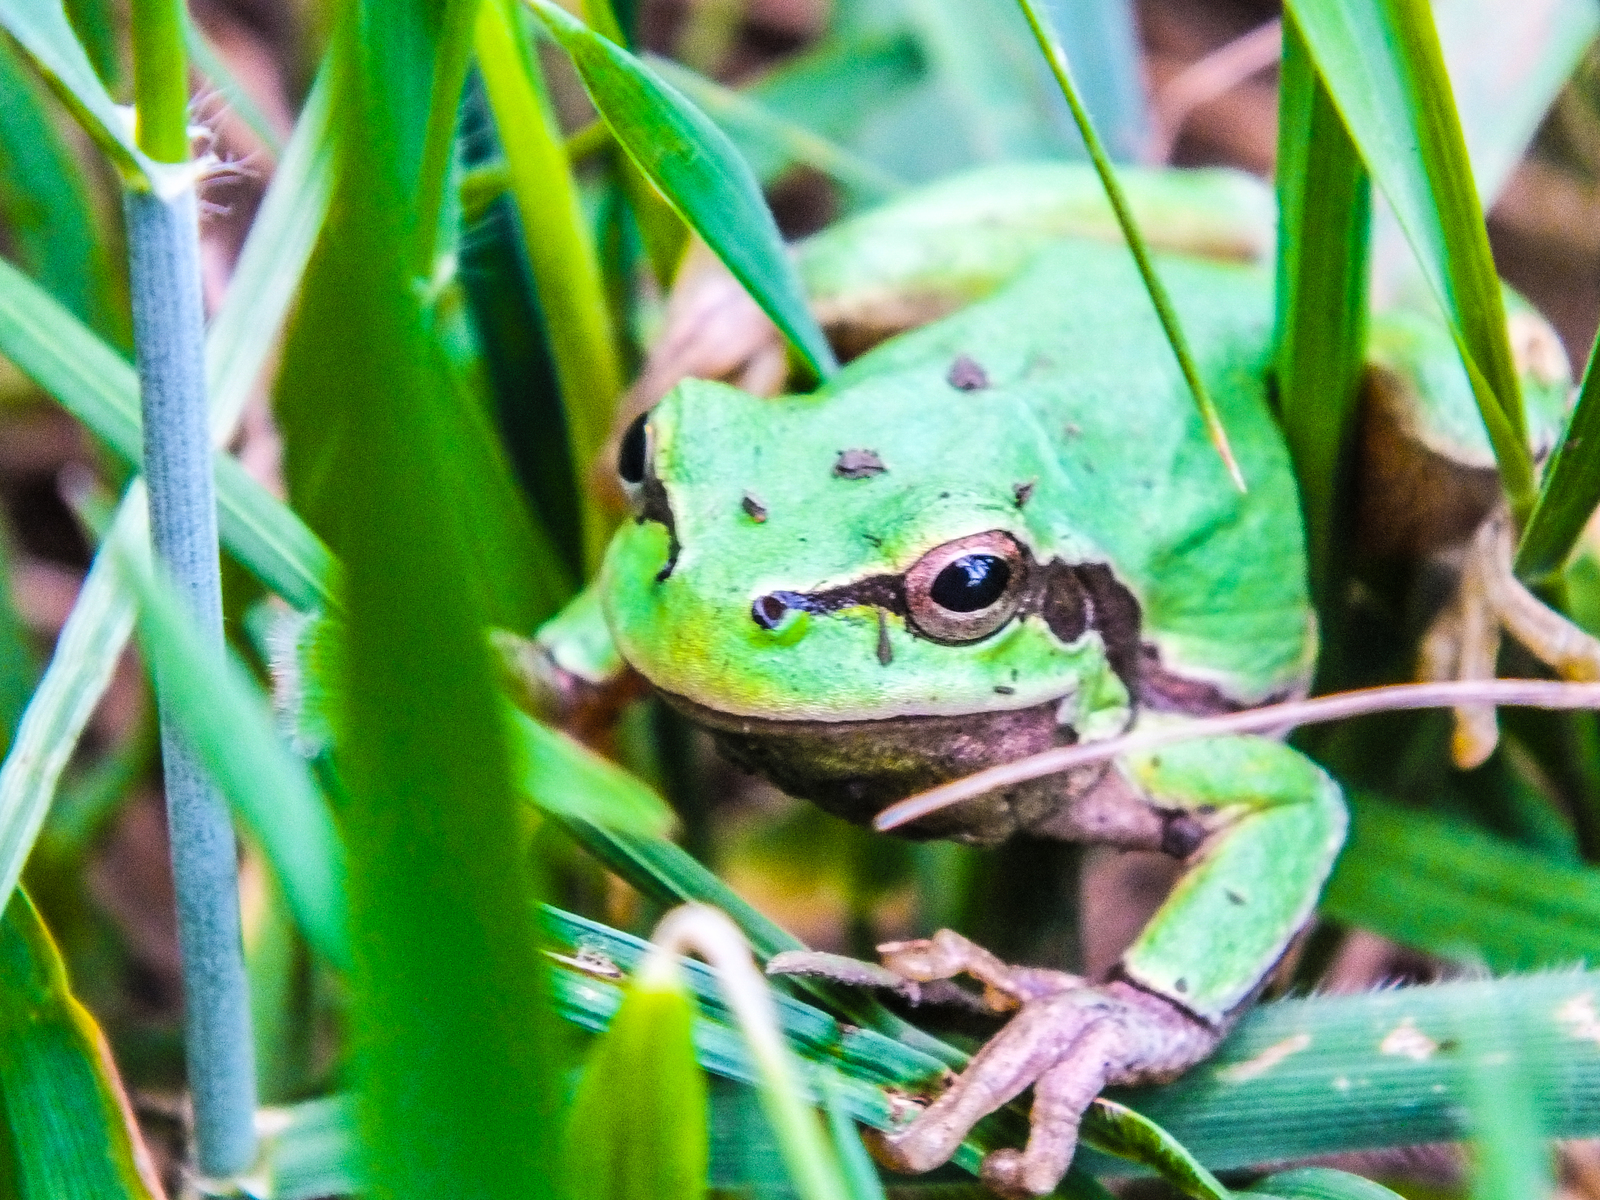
[
  {"x": 966, "y": 589},
  {"x": 631, "y": 454}
]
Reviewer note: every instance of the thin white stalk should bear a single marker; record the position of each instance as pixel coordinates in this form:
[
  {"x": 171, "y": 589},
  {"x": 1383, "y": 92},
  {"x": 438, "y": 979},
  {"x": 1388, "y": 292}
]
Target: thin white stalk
[
  {"x": 1274, "y": 718},
  {"x": 169, "y": 331},
  {"x": 708, "y": 932}
]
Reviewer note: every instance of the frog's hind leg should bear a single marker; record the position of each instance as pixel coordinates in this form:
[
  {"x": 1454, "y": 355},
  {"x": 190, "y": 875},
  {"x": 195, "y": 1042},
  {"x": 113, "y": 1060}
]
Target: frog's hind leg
[
  {"x": 1464, "y": 639},
  {"x": 1272, "y": 824}
]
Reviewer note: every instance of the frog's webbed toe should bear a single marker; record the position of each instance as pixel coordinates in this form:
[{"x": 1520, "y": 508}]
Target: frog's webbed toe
[
  {"x": 1067, "y": 1045},
  {"x": 1464, "y": 639}
]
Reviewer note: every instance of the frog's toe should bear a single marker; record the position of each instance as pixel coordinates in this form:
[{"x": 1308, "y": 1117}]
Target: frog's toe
[
  {"x": 947, "y": 954},
  {"x": 1067, "y": 1047}
]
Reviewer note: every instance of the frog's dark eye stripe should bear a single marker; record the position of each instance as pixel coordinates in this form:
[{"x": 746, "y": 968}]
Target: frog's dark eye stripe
[
  {"x": 966, "y": 589},
  {"x": 631, "y": 454}
]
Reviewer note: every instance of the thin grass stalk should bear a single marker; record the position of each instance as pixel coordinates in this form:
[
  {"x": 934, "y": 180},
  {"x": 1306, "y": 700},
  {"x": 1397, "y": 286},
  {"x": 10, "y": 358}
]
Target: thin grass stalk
[
  {"x": 1050, "y": 46},
  {"x": 169, "y": 340}
]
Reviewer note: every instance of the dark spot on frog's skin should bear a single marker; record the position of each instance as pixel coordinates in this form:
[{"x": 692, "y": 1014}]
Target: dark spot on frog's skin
[
  {"x": 1022, "y": 492},
  {"x": 944, "y": 495},
  {"x": 885, "y": 650},
  {"x": 1182, "y": 985},
  {"x": 1233, "y": 896},
  {"x": 1073, "y": 431},
  {"x": 1002, "y": 690},
  {"x": 753, "y": 508},
  {"x": 872, "y": 540},
  {"x": 966, "y": 375},
  {"x": 858, "y": 464}
]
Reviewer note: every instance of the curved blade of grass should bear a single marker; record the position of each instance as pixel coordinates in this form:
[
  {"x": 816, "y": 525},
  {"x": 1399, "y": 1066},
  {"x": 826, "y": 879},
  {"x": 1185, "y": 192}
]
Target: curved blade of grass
[
  {"x": 695, "y": 166},
  {"x": 1445, "y": 887},
  {"x": 71, "y": 1132},
  {"x": 565, "y": 778},
  {"x": 1324, "y": 225},
  {"x": 226, "y": 722},
  {"x": 40, "y": 28},
  {"x": 1571, "y": 486},
  {"x": 772, "y": 144},
  {"x": 1051, "y": 47},
  {"x": 1381, "y": 63}
]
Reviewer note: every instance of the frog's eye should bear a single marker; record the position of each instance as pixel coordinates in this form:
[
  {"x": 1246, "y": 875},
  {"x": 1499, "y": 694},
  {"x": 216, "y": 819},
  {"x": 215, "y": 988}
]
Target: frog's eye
[
  {"x": 631, "y": 453},
  {"x": 966, "y": 589}
]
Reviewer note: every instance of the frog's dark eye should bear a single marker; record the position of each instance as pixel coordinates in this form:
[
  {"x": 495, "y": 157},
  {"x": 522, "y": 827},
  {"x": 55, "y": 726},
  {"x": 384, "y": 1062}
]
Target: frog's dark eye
[
  {"x": 966, "y": 589},
  {"x": 631, "y": 454}
]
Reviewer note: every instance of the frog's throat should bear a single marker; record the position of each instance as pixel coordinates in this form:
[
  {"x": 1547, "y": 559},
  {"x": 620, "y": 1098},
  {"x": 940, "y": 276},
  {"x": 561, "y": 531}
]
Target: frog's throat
[{"x": 856, "y": 768}]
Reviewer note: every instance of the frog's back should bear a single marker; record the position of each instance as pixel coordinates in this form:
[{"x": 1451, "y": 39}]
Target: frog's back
[{"x": 1063, "y": 391}]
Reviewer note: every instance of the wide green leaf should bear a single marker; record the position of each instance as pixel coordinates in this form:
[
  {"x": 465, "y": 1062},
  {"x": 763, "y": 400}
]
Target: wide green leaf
[
  {"x": 1381, "y": 63},
  {"x": 68, "y": 1128},
  {"x": 1448, "y": 888},
  {"x": 699, "y": 171}
]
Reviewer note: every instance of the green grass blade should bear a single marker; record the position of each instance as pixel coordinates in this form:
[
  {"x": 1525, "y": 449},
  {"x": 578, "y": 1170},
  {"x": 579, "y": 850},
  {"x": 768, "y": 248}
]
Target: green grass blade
[
  {"x": 1324, "y": 223},
  {"x": 567, "y": 779},
  {"x": 1511, "y": 1159},
  {"x": 1381, "y": 63},
  {"x": 41, "y": 30},
  {"x": 637, "y": 1127},
  {"x": 1050, "y": 45},
  {"x": 1571, "y": 486},
  {"x": 227, "y": 723},
  {"x": 456, "y": 1092},
  {"x": 560, "y": 251},
  {"x": 1321, "y": 1183},
  {"x": 245, "y": 329},
  {"x": 86, "y": 654},
  {"x": 1448, "y": 888},
  {"x": 773, "y": 145},
  {"x": 70, "y": 1130},
  {"x": 55, "y": 231},
  {"x": 700, "y": 172},
  {"x": 98, "y": 386}
]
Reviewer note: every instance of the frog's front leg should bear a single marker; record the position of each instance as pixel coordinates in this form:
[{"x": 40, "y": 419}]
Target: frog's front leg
[{"x": 1274, "y": 823}]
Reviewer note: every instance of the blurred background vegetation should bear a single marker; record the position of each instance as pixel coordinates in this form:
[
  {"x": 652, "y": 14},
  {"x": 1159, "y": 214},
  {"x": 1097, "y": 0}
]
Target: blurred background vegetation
[{"x": 836, "y": 106}]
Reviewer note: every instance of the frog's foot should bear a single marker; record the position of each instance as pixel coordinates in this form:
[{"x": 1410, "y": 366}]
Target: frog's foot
[
  {"x": 1068, "y": 1044},
  {"x": 947, "y": 954},
  {"x": 1464, "y": 640}
]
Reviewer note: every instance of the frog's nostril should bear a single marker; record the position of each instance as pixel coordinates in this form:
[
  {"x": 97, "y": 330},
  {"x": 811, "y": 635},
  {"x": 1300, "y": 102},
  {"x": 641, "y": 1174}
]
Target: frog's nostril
[{"x": 770, "y": 610}]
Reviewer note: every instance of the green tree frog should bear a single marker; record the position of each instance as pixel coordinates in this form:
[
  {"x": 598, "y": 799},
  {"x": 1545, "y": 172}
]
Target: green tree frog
[{"x": 1001, "y": 529}]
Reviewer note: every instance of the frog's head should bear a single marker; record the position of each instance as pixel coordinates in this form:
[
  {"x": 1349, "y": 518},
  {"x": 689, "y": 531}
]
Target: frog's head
[{"x": 848, "y": 591}]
